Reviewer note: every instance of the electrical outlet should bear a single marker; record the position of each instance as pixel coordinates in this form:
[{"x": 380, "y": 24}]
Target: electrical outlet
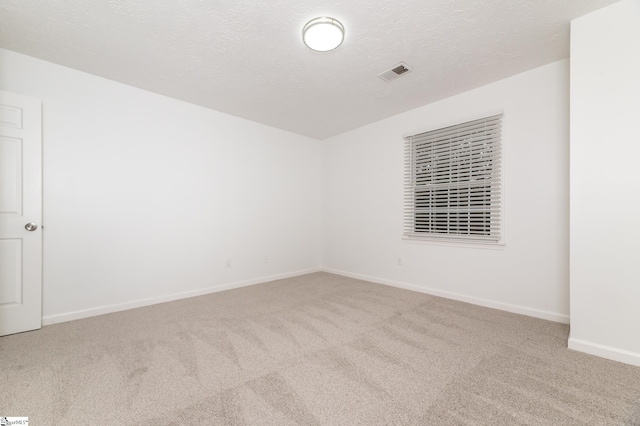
[
  {"x": 228, "y": 263},
  {"x": 266, "y": 259},
  {"x": 399, "y": 261}
]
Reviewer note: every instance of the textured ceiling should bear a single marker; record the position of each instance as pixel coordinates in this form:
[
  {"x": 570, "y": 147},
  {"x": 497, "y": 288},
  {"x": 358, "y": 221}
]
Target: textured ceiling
[{"x": 246, "y": 57}]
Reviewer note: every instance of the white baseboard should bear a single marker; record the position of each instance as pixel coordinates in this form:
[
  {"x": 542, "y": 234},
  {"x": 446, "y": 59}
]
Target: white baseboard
[
  {"x": 536, "y": 313},
  {"x": 604, "y": 351},
  {"x": 101, "y": 310}
]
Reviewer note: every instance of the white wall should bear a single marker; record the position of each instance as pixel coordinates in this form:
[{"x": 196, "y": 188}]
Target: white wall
[
  {"x": 363, "y": 201},
  {"x": 146, "y": 197},
  {"x": 605, "y": 182}
]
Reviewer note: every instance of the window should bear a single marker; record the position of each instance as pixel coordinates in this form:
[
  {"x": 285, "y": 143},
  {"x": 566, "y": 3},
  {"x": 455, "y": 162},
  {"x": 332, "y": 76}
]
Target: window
[{"x": 453, "y": 183}]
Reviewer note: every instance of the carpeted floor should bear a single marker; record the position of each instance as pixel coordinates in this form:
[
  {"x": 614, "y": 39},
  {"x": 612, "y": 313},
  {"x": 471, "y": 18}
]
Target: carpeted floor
[{"x": 313, "y": 350}]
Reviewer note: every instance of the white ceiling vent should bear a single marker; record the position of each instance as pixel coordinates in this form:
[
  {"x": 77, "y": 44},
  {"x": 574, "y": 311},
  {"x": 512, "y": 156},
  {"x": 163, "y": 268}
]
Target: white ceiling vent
[{"x": 395, "y": 72}]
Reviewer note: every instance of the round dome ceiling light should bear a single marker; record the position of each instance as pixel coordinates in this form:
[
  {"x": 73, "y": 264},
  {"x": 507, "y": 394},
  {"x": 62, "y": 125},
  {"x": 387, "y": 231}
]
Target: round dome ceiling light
[{"x": 323, "y": 34}]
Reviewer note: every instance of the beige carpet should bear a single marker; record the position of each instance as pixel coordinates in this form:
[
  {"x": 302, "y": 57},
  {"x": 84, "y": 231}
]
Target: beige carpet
[{"x": 313, "y": 350}]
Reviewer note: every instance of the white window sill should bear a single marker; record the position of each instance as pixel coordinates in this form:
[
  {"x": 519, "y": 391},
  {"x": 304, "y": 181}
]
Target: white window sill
[{"x": 455, "y": 243}]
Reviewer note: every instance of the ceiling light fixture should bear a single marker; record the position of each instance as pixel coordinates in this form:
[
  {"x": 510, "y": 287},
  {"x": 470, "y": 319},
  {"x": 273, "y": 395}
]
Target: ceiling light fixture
[{"x": 323, "y": 34}]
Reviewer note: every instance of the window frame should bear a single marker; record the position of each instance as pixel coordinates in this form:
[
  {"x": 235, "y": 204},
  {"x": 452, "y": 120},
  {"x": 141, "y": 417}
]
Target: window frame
[{"x": 446, "y": 239}]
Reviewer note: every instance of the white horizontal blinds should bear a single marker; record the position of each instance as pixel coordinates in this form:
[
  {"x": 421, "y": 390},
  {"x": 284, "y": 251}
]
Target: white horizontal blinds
[{"x": 453, "y": 182}]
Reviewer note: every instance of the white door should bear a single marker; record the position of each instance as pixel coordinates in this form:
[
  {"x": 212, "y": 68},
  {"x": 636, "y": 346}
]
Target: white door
[{"x": 20, "y": 213}]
